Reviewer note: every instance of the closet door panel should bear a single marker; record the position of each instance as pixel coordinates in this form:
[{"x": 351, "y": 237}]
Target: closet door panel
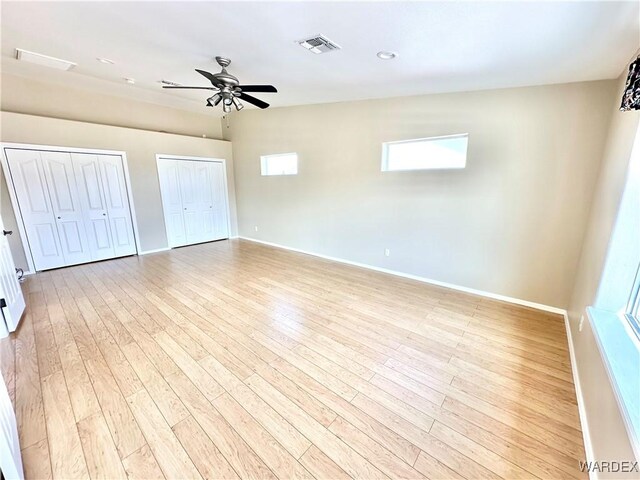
[
  {"x": 172, "y": 202},
  {"x": 205, "y": 201},
  {"x": 65, "y": 200},
  {"x": 88, "y": 179},
  {"x": 46, "y": 241},
  {"x": 190, "y": 201},
  {"x": 219, "y": 201},
  {"x": 118, "y": 209},
  {"x": 27, "y": 175}
]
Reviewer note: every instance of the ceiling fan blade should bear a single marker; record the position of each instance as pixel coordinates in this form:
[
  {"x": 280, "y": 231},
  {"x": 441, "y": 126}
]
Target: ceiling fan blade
[
  {"x": 258, "y": 88},
  {"x": 253, "y": 100},
  {"x": 191, "y": 88},
  {"x": 207, "y": 75}
]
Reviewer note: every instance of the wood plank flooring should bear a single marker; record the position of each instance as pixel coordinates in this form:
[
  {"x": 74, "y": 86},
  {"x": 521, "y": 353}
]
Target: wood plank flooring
[{"x": 236, "y": 360}]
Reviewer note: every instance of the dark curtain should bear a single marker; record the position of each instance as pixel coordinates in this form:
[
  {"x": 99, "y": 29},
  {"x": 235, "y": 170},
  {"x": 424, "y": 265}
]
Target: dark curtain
[{"x": 631, "y": 95}]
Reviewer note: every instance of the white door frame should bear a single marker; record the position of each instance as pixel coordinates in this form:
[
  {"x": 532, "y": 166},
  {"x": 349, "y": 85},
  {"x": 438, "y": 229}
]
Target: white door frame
[
  {"x": 51, "y": 148},
  {"x": 160, "y": 156}
]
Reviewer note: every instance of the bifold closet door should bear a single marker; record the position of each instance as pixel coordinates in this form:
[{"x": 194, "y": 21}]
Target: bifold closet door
[
  {"x": 88, "y": 179},
  {"x": 218, "y": 207},
  {"x": 118, "y": 208},
  {"x": 194, "y": 200},
  {"x": 63, "y": 192},
  {"x": 190, "y": 186},
  {"x": 199, "y": 187},
  {"x": 41, "y": 221},
  {"x": 172, "y": 202},
  {"x": 103, "y": 194},
  {"x": 75, "y": 207}
]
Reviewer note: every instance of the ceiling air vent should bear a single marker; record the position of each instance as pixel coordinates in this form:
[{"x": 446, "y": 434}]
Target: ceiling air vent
[
  {"x": 319, "y": 44},
  {"x": 47, "y": 61},
  {"x": 169, "y": 83}
]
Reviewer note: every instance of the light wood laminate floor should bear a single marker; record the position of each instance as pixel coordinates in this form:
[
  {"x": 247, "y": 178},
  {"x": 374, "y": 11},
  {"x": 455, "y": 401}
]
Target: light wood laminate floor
[{"x": 233, "y": 359}]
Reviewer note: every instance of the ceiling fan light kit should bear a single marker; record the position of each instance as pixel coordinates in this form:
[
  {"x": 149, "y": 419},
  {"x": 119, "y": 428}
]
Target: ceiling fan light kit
[{"x": 228, "y": 89}]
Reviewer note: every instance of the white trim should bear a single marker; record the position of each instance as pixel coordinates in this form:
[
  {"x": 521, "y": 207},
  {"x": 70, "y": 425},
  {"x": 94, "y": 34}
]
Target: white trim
[
  {"x": 49, "y": 148},
  {"x": 613, "y": 380},
  {"x": 132, "y": 208},
  {"x": 586, "y": 436},
  {"x": 16, "y": 209},
  {"x": 495, "y": 296},
  {"x": 58, "y": 148},
  {"x": 147, "y": 252},
  {"x": 160, "y": 156}
]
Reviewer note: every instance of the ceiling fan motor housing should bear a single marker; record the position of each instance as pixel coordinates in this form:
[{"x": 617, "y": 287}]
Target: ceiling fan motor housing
[{"x": 225, "y": 79}]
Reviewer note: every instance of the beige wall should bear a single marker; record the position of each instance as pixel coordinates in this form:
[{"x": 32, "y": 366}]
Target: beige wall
[
  {"x": 511, "y": 223},
  {"x": 23, "y": 95},
  {"x": 607, "y": 431},
  {"x": 141, "y": 147}
]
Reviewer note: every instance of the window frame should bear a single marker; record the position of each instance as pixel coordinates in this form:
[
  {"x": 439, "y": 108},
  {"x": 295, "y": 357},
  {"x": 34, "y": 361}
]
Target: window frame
[
  {"x": 264, "y": 167},
  {"x": 384, "y": 167},
  {"x": 632, "y": 313}
]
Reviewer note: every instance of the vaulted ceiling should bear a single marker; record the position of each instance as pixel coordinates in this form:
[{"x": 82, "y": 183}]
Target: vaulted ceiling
[{"x": 441, "y": 46}]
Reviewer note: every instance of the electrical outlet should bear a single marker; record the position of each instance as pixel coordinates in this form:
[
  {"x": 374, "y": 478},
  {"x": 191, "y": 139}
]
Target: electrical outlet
[
  {"x": 387, "y": 252},
  {"x": 256, "y": 228},
  {"x": 580, "y": 324}
]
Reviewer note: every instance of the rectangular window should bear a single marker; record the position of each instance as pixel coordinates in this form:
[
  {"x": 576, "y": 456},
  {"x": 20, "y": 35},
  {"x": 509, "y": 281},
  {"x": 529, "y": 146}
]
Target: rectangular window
[
  {"x": 425, "y": 153},
  {"x": 633, "y": 306},
  {"x": 279, "y": 164}
]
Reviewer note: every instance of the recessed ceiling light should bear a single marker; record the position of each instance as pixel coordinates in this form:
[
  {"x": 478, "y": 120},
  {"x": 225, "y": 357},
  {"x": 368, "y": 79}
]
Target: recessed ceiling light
[
  {"x": 130, "y": 81},
  {"x": 384, "y": 55},
  {"x": 105, "y": 60}
]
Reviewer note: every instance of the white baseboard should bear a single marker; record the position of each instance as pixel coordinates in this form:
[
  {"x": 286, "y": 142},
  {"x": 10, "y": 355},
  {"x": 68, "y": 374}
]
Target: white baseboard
[
  {"x": 147, "y": 252},
  {"x": 586, "y": 437},
  {"x": 494, "y": 296}
]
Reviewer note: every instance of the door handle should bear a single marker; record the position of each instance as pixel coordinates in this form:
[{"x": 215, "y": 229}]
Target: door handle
[{"x": 7, "y": 232}]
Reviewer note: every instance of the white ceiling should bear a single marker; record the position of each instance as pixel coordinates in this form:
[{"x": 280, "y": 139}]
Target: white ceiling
[{"x": 442, "y": 46}]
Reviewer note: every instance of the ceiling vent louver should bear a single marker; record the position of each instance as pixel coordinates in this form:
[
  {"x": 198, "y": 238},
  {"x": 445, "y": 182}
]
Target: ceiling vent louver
[
  {"x": 45, "y": 60},
  {"x": 319, "y": 44},
  {"x": 169, "y": 83}
]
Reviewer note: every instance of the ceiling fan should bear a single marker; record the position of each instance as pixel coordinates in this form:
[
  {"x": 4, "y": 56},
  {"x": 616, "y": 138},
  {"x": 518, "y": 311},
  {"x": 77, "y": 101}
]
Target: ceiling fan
[{"x": 228, "y": 89}]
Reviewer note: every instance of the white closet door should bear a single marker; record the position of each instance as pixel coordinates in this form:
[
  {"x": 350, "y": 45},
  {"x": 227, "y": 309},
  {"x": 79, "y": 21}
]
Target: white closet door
[
  {"x": 191, "y": 205},
  {"x": 28, "y": 178},
  {"x": 172, "y": 202},
  {"x": 117, "y": 199},
  {"x": 217, "y": 183},
  {"x": 194, "y": 200},
  {"x": 90, "y": 191},
  {"x": 204, "y": 192},
  {"x": 63, "y": 191}
]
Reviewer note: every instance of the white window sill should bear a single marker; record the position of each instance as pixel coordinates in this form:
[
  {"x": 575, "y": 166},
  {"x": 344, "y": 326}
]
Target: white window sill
[{"x": 620, "y": 352}]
